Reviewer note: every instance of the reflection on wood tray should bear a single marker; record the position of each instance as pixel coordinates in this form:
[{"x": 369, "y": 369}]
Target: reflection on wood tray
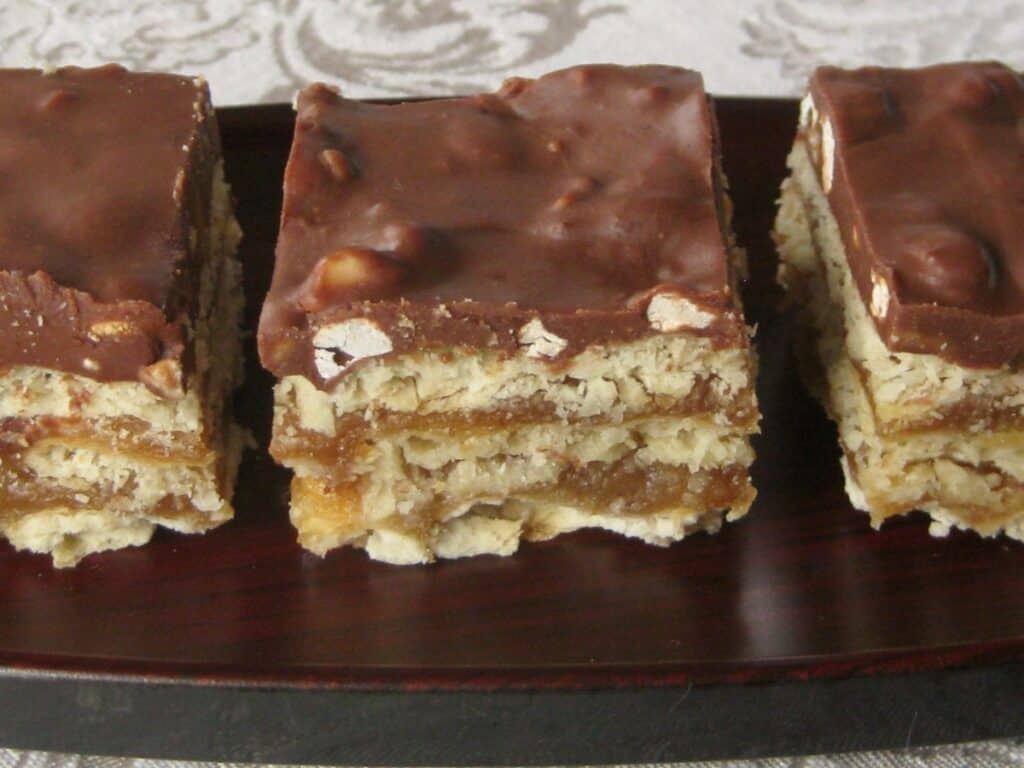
[{"x": 801, "y": 587}]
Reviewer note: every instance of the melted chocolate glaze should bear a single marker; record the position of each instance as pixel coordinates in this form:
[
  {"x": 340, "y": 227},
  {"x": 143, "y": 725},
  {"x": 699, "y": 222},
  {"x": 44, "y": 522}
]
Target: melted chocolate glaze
[
  {"x": 104, "y": 177},
  {"x": 928, "y": 191},
  {"x": 572, "y": 198}
]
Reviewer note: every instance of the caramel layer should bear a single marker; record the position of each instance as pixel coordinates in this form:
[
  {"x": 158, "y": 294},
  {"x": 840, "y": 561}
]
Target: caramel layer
[
  {"x": 622, "y": 488},
  {"x": 971, "y": 413},
  {"x": 27, "y": 496},
  {"x": 986, "y": 519},
  {"x": 291, "y": 441},
  {"x": 129, "y": 436}
]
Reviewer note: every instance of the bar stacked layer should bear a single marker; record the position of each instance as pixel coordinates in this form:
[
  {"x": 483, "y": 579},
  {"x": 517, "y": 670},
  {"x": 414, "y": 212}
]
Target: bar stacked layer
[
  {"x": 509, "y": 316},
  {"x": 119, "y": 311},
  {"x": 901, "y": 238}
]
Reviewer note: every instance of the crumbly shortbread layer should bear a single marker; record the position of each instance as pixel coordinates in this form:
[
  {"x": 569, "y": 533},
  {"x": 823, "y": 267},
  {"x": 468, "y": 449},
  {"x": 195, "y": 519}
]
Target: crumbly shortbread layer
[
  {"x": 902, "y": 448},
  {"x": 602, "y": 457},
  {"x": 969, "y": 481},
  {"x": 695, "y": 442},
  {"x": 494, "y": 522},
  {"x": 70, "y": 527},
  {"x": 611, "y": 382},
  {"x": 91, "y": 465},
  {"x": 113, "y": 408},
  {"x": 68, "y": 535},
  {"x": 907, "y": 389},
  {"x": 127, "y": 484},
  {"x": 217, "y": 335},
  {"x": 408, "y": 472}
]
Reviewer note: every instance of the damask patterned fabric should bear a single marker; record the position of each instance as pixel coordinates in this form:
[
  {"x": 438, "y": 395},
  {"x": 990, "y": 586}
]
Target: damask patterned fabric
[{"x": 263, "y": 50}]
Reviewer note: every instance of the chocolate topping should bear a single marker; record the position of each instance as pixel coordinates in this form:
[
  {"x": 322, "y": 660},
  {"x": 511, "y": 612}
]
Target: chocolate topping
[
  {"x": 928, "y": 190},
  {"x": 573, "y": 198},
  {"x": 104, "y": 175}
]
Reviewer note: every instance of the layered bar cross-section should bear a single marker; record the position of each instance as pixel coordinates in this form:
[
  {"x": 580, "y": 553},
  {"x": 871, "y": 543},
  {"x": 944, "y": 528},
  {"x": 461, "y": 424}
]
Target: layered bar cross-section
[
  {"x": 509, "y": 316},
  {"x": 119, "y": 310},
  {"x": 901, "y": 237}
]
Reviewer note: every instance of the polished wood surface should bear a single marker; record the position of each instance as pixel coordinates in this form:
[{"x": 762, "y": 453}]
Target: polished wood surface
[{"x": 802, "y": 587}]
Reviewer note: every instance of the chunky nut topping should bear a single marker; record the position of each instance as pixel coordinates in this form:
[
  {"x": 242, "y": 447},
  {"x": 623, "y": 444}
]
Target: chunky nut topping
[
  {"x": 349, "y": 272},
  {"x": 669, "y": 312},
  {"x": 924, "y": 172},
  {"x": 539, "y": 341},
  {"x": 339, "y": 345},
  {"x": 540, "y": 217},
  {"x": 103, "y": 171}
]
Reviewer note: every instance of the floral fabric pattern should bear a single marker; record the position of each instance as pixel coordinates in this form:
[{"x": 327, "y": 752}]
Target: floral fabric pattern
[{"x": 263, "y": 50}]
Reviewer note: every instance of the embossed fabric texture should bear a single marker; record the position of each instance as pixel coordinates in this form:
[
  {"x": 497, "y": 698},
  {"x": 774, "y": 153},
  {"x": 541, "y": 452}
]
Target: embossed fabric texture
[{"x": 263, "y": 50}]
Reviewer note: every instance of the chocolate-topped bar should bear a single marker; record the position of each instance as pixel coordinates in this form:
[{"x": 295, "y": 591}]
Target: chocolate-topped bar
[
  {"x": 902, "y": 242},
  {"x": 118, "y": 309},
  {"x": 539, "y": 201},
  {"x": 926, "y": 168},
  {"x": 509, "y": 315},
  {"x": 104, "y": 174}
]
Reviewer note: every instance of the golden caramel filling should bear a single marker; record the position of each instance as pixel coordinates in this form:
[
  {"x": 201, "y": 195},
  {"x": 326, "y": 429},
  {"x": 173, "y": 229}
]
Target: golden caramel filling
[
  {"x": 626, "y": 488},
  {"x": 353, "y": 431},
  {"x": 969, "y": 413},
  {"x": 127, "y": 435},
  {"x": 23, "y": 497},
  {"x": 622, "y": 489},
  {"x": 982, "y": 517},
  {"x": 23, "y": 492}
]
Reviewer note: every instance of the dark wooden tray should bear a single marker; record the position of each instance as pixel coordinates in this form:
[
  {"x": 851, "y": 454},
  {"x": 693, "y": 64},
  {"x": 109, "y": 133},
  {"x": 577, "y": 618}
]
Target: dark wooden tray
[{"x": 595, "y": 640}]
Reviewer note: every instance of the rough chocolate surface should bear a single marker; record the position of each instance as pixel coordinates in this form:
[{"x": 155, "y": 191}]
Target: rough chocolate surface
[
  {"x": 571, "y": 200},
  {"x": 927, "y": 184},
  {"x": 104, "y": 177}
]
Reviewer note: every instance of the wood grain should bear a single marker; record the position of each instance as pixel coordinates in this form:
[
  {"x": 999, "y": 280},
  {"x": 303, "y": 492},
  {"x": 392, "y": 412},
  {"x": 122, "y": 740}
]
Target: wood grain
[{"x": 802, "y": 587}]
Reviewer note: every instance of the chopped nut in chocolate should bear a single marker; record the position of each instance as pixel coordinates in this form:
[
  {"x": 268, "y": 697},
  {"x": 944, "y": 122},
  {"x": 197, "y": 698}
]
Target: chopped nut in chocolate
[
  {"x": 116, "y": 269},
  {"x": 901, "y": 237},
  {"x": 508, "y": 316}
]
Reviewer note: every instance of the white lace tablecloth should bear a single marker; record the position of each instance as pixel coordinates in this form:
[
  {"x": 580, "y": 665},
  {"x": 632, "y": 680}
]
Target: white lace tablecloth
[{"x": 263, "y": 50}]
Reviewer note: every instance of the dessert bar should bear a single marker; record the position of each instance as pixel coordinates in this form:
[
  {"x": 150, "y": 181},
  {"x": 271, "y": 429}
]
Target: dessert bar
[
  {"x": 901, "y": 237},
  {"x": 508, "y": 316},
  {"x": 119, "y": 310}
]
